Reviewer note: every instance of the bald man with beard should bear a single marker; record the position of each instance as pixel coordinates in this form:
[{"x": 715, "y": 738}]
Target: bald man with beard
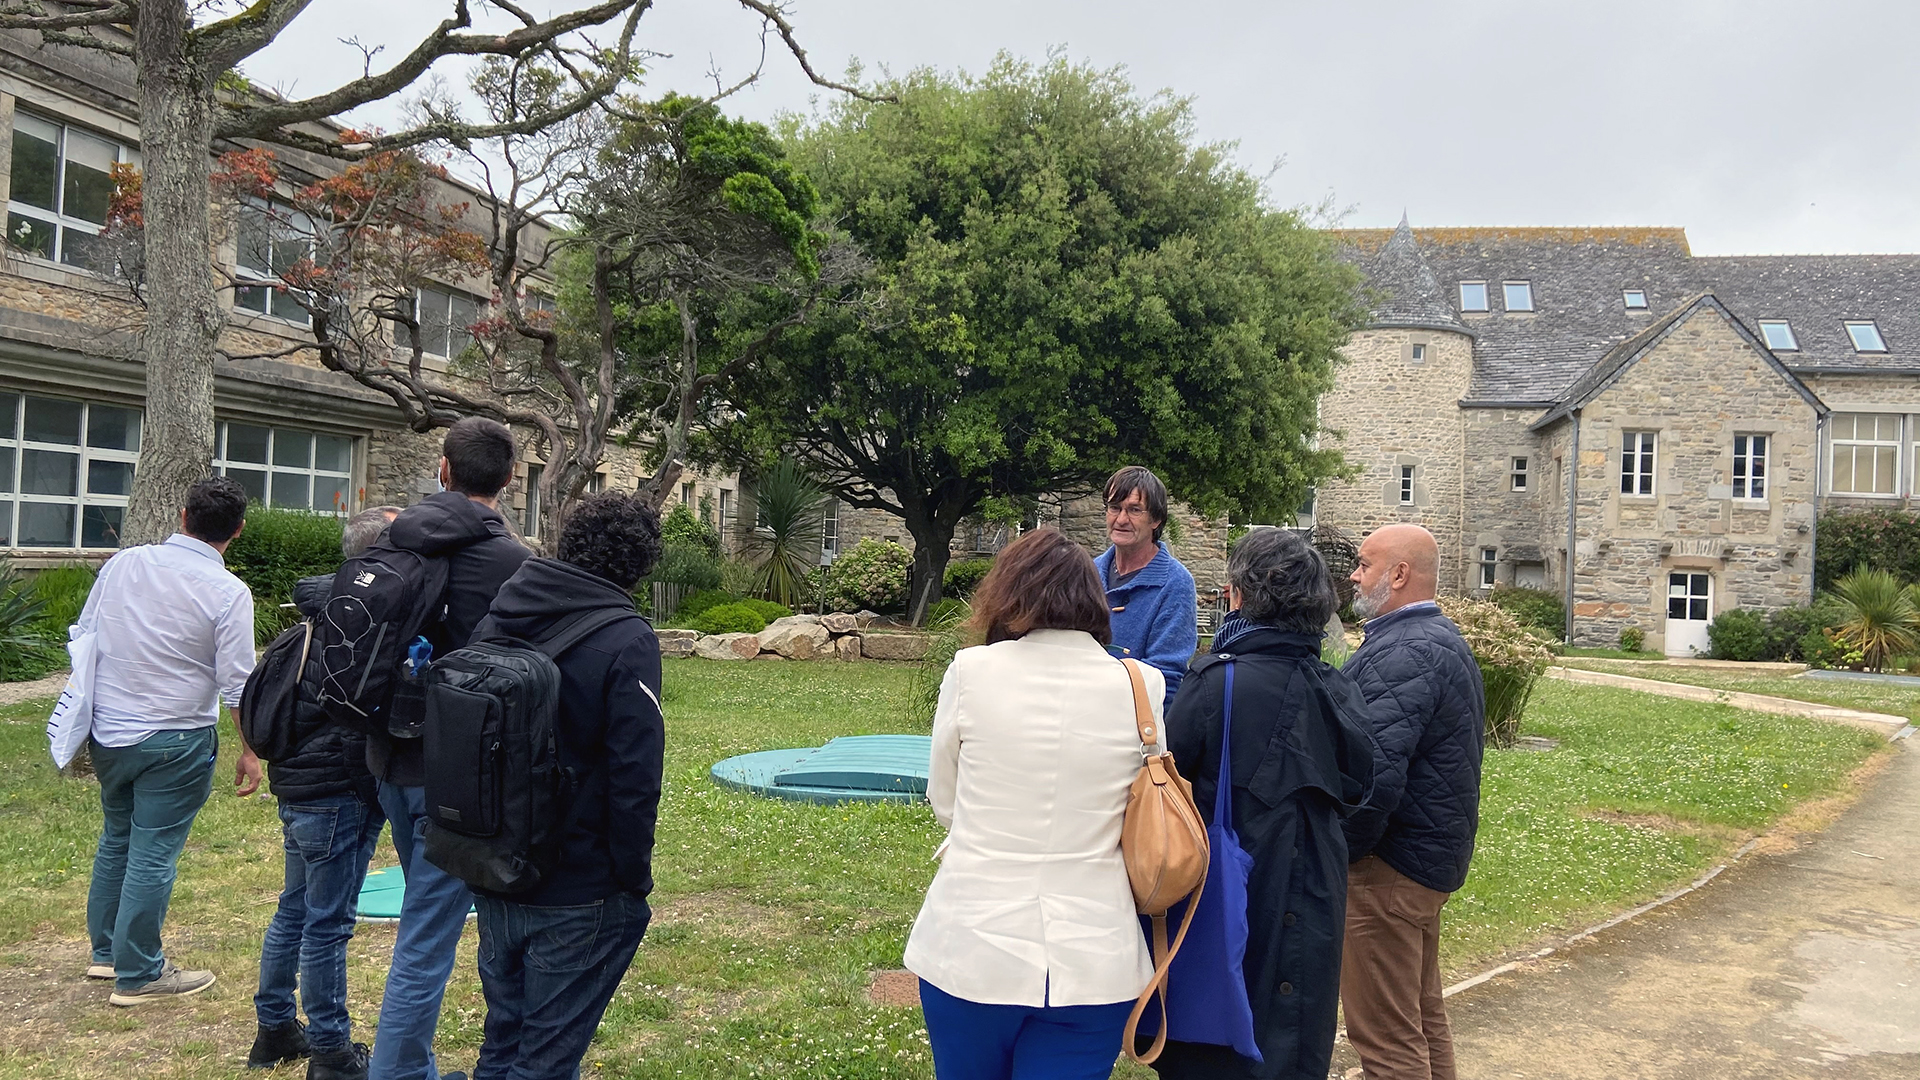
[{"x": 1410, "y": 845}]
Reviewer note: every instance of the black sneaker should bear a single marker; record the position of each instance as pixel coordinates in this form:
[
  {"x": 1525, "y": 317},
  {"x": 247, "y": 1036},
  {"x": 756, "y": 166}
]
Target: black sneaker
[
  {"x": 346, "y": 1063},
  {"x": 278, "y": 1045}
]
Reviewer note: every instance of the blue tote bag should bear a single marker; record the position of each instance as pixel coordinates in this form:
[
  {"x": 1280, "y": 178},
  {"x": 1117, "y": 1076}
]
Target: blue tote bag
[{"x": 1206, "y": 998}]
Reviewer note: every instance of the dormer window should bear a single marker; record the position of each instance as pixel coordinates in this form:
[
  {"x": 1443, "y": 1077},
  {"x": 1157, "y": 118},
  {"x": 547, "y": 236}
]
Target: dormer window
[
  {"x": 1519, "y": 295},
  {"x": 1778, "y": 334},
  {"x": 1636, "y": 299},
  {"x": 1473, "y": 296},
  {"x": 1866, "y": 336}
]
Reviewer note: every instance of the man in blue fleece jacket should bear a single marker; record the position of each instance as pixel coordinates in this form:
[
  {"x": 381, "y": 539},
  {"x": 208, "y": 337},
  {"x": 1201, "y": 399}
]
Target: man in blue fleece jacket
[{"x": 1154, "y": 610}]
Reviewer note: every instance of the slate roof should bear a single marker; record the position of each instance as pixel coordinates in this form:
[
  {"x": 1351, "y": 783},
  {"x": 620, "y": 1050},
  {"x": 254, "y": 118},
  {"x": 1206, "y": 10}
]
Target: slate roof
[
  {"x": 1405, "y": 291},
  {"x": 1617, "y": 359},
  {"x": 1578, "y": 276}
]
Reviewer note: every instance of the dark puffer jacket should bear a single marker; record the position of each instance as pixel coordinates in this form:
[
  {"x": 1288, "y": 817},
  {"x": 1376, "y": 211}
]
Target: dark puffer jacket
[
  {"x": 1427, "y": 711},
  {"x": 331, "y": 760}
]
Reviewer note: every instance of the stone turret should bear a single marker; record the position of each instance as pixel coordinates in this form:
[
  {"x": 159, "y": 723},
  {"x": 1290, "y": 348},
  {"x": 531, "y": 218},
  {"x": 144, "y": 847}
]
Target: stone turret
[{"x": 1396, "y": 405}]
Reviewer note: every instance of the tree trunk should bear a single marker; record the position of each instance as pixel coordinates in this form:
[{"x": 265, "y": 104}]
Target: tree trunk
[
  {"x": 184, "y": 317},
  {"x": 932, "y": 547}
]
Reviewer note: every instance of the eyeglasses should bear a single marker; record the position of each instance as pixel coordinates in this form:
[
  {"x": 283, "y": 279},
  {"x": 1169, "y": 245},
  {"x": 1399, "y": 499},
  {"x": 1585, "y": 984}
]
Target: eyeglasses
[{"x": 1137, "y": 512}]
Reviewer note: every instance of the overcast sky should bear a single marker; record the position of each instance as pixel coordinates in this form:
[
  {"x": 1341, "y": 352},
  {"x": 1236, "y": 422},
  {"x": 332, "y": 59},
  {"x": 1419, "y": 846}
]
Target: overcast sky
[{"x": 1761, "y": 126}]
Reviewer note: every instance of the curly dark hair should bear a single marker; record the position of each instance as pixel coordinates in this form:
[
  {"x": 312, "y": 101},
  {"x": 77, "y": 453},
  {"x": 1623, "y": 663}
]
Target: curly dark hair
[
  {"x": 1282, "y": 580},
  {"x": 613, "y": 535},
  {"x": 216, "y": 508}
]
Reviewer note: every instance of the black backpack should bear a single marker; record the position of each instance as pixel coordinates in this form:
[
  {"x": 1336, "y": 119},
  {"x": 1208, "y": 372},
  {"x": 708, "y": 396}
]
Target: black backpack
[
  {"x": 273, "y": 717},
  {"x": 381, "y": 600},
  {"x": 498, "y": 799}
]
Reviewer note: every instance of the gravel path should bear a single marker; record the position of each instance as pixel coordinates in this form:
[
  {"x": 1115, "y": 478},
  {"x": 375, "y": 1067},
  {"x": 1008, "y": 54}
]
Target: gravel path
[{"x": 14, "y": 693}]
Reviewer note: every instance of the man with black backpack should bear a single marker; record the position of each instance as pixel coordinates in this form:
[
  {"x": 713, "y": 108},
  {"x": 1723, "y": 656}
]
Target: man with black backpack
[
  {"x": 565, "y": 871},
  {"x": 466, "y": 552},
  {"x": 330, "y": 821}
]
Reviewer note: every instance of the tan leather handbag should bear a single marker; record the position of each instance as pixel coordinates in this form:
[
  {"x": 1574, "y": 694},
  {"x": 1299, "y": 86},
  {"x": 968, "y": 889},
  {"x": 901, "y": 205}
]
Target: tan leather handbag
[{"x": 1164, "y": 843}]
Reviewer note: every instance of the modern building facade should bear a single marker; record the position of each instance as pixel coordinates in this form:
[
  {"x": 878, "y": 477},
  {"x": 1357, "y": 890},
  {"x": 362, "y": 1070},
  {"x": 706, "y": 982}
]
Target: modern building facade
[{"x": 1602, "y": 413}]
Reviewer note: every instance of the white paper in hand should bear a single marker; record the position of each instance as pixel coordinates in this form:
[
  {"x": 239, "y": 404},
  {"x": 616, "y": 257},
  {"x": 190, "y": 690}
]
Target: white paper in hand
[{"x": 72, "y": 719}]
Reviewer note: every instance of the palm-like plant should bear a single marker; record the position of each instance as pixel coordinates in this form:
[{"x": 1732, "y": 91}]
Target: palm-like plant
[
  {"x": 785, "y": 541},
  {"x": 1871, "y": 611}
]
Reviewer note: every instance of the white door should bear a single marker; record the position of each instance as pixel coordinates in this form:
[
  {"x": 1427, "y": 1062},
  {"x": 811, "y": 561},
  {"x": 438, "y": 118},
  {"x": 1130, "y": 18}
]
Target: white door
[{"x": 1689, "y": 610}]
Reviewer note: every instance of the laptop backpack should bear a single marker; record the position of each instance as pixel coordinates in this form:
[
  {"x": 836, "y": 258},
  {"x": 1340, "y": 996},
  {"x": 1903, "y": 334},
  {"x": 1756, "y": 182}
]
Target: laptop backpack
[{"x": 381, "y": 600}]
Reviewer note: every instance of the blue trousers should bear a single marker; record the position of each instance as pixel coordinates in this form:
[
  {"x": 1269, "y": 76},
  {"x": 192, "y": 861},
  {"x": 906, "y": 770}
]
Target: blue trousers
[
  {"x": 328, "y": 842},
  {"x": 432, "y": 915},
  {"x": 150, "y": 793},
  {"x": 548, "y": 973},
  {"x": 1021, "y": 1042}
]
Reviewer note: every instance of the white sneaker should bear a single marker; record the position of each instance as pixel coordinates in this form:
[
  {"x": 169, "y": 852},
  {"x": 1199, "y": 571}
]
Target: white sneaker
[{"x": 99, "y": 971}]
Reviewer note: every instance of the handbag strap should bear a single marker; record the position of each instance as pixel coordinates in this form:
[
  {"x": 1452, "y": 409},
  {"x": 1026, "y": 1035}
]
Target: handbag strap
[
  {"x": 1163, "y": 954},
  {"x": 1143, "y": 711},
  {"x": 1223, "y": 787}
]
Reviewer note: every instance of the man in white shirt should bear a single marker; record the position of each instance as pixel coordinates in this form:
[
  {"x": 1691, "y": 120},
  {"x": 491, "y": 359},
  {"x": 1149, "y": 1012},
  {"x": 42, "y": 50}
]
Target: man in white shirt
[{"x": 176, "y": 638}]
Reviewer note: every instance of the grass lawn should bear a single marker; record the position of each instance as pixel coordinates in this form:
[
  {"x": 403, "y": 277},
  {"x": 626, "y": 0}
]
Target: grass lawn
[
  {"x": 770, "y": 916},
  {"x": 1607, "y": 654},
  {"x": 1869, "y": 696}
]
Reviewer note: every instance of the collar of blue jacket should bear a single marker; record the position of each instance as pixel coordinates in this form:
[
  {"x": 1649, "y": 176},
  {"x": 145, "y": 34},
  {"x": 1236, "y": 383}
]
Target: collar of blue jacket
[{"x": 1152, "y": 575}]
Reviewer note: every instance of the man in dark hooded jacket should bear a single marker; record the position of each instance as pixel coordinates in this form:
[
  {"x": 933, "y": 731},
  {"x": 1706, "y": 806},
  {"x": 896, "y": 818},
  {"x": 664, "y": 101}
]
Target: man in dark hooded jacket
[
  {"x": 552, "y": 957},
  {"x": 1413, "y": 841},
  {"x": 330, "y": 820},
  {"x": 463, "y": 526}
]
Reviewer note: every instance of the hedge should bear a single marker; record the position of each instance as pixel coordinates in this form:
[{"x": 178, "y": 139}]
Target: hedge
[{"x": 1880, "y": 539}]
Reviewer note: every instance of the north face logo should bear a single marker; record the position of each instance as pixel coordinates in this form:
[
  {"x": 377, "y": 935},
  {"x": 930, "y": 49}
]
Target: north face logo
[{"x": 365, "y": 579}]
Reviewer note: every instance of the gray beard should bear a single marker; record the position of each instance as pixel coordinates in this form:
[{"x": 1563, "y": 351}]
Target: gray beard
[{"x": 1367, "y": 605}]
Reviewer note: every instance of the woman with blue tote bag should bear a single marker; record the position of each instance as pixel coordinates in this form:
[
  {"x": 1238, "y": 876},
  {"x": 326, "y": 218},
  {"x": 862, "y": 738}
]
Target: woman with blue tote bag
[{"x": 1275, "y": 742}]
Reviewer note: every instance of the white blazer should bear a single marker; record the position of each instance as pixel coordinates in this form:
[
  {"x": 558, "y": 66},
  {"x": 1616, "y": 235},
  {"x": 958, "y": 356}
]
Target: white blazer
[{"x": 1034, "y": 748}]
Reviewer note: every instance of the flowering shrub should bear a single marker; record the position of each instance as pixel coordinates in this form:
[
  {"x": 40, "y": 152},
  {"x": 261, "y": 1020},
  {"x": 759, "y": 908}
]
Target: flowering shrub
[
  {"x": 1511, "y": 661},
  {"x": 873, "y": 575}
]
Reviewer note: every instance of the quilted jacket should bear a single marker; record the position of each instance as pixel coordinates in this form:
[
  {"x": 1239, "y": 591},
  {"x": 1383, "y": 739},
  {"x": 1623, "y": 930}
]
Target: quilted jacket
[{"x": 1427, "y": 711}]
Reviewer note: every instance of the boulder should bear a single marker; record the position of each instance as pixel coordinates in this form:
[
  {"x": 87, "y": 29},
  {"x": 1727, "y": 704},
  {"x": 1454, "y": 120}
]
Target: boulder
[
  {"x": 893, "y": 646},
  {"x": 727, "y": 647},
  {"x": 795, "y": 620},
  {"x": 677, "y": 643},
  {"x": 847, "y": 647},
  {"x": 840, "y": 622},
  {"x": 795, "y": 641},
  {"x": 864, "y": 618},
  {"x": 771, "y": 656}
]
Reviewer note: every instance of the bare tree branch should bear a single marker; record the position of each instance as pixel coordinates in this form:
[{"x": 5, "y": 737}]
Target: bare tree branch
[{"x": 31, "y": 15}]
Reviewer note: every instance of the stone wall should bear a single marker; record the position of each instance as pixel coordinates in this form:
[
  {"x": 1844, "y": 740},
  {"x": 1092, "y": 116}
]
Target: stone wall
[
  {"x": 1392, "y": 411},
  {"x": 1496, "y": 516},
  {"x": 1695, "y": 389}
]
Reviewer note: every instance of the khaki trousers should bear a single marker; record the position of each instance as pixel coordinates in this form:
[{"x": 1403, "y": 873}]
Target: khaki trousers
[{"x": 1390, "y": 975}]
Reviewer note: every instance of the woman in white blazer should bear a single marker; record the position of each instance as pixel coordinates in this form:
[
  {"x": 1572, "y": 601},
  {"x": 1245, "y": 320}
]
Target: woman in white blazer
[{"x": 1028, "y": 947}]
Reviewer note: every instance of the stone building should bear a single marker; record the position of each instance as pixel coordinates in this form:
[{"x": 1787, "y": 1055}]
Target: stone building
[
  {"x": 1600, "y": 412},
  {"x": 71, "y": 398}
]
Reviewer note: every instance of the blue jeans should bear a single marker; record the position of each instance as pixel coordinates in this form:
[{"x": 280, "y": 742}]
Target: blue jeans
[
  {"x": 1019, "y": 1042},
  {"x": 329, "y": 842},
  {"x": 548, "y": 973},
  {"x": 432, "y": 914},
  {"x": 150, "y": 793}
]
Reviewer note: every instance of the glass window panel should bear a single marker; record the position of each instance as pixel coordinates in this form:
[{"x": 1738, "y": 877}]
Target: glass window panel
[
  {"x": 1886, "y": 428},
  {"x": 50, "y": 420},
  {"x": 465, "y": 312},
  {"x": 1518, "y": 296},
  {"x": 89, "y": 177},
  {"x": 285, "y": 304},
  {"x": 109, "y": 428},
  {"x": 1676, "y": 607},
  {"x": 1778, "y": 335},
  {"x": 6, "y": 469},
  {"x": 49, "y": 472},
  {"x": 293, "y": 448},
  {"x": 253, "y": 248},
  {"x": 330, "y": 493},
  {"x": 36, "y": 160},
  {"x": 252, "y": 481},
  {"x": 1473, "y": 296},
  {"x": 81, "y": 248},
  {"x": 1635, "y": 298},
  {"x": 1883, "y": 470},
  {"x": 6, "y": 522},
  {"x": 30, "y": 235},
  {"x": 291, "y": 242},
  {"x": 46, "y": 524},
  {"x": 246, "y": 443},
  {"x": 1697, "y": 610},
  {"x": 1866, "y": 337},
  {"x": 109, "y": 477},
  {"x": 434, "y": 306},
  {"x": 253, "y": 298},
  {"x": 9, "y": 415},
  {"x": 333, "y": 453},
  {"x": 292, "y": 489},
  {"x": 1843, "y": 469},
  {"x": 100, "y": 526}
]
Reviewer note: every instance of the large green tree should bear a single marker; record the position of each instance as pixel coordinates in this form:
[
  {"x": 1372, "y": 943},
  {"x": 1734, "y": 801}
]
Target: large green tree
[{"x": 1062, "y": 279}]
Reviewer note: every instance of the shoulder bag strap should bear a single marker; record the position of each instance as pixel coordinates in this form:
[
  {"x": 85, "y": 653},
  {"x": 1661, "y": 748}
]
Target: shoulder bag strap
[
  {"x": 579, "y": 627},
  {"x": 1143, "y": 712}
]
